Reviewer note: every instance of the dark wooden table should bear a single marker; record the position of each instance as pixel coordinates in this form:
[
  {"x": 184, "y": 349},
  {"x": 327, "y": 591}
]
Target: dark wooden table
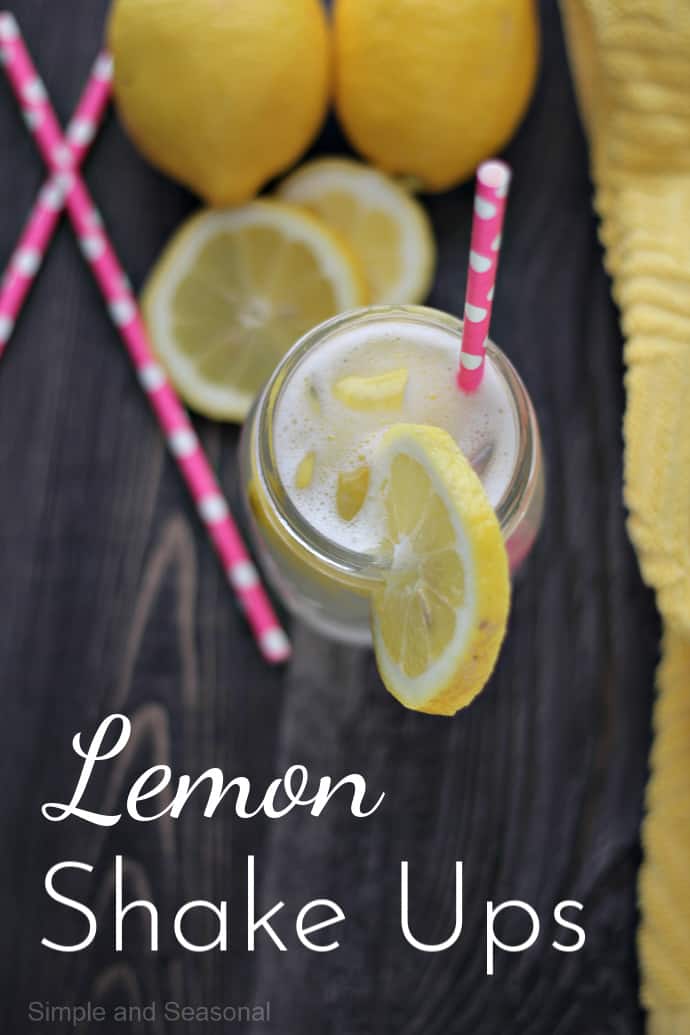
[{"x": 112, "y": 601}]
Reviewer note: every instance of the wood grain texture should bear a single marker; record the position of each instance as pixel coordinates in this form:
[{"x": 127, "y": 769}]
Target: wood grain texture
[{"x": 112, "y": 600}]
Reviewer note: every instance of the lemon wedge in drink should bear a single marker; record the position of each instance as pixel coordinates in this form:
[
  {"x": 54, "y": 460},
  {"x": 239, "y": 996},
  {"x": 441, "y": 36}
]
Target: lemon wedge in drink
[
  {"x": 439, "y": 617},
  {"x": 234, "y": 289},
  {"x": 387, "y": 229},
  {"x": 377, "y": 392},
  {"x": 351, "y": 492},
  {"x": 305, "y": 470}
]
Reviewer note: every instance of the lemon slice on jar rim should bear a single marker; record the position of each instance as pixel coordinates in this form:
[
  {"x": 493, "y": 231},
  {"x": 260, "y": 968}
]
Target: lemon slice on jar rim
[{"x": 439, "y": 616}]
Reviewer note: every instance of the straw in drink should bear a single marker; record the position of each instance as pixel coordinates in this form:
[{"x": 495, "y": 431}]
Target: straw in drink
[{"x": 493, "y": 181}]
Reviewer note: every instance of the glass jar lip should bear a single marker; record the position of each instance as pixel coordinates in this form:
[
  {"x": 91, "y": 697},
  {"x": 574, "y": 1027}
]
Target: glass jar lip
[{"x": 294, "y": 525}]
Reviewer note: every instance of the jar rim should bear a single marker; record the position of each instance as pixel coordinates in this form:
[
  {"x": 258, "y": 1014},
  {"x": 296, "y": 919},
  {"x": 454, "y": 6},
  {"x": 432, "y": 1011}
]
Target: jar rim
[{"x": 326, "y": 553}]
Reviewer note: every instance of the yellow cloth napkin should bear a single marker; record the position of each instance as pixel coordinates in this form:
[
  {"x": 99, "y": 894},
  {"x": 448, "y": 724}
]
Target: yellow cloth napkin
[{"x": 631, "y": 64}]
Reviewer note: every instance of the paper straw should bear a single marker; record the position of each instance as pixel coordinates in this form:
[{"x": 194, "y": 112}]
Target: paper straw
[
  {"x": 38, "y": 231},
  {"x": 493, "y": 180},
  {"x": 124, "y": 312}
]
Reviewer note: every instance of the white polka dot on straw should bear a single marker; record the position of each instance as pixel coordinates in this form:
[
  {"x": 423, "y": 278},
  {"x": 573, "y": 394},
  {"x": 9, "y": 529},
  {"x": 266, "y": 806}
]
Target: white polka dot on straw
[
  {"x": 275, "y": 643},
  {"x": 122, "y": 311},
  {"x": 484, "y": 209},
  {"x": 471, "y": 360},
  {"x": 92, "y": 246},
  {"x": 243, "y": 575},
  {"x": 183, "y": 442},
  {"x": 213, "y": 509},
  {"x": 34, "y": 92},
  {"x": 474, "y": 313},
  {"x": 9, "y": 30},
  {"x": 103, "y": 69},
  {"x": 32, "y": 118},
  {"x": 62, "y": 155},
  {"x": 27, "y": 261},
  {"x": 53, "y": 195},
  {"x": 65, "y": 181},
  {"x": 480, "y": 263},
  {"x": 6, "y": 328},
  {"x": 81, "y": 132},
  {"x": 151, "y": 377}
]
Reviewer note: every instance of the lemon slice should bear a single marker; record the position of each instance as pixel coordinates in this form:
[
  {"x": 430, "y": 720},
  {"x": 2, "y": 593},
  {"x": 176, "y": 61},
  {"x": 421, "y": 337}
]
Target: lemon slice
[
  {"x": 234, "y": 289},
  {"x": 439, "y": 618},
  {"x": 386, "y": 228},
  {"x": 378, "y": 392}
]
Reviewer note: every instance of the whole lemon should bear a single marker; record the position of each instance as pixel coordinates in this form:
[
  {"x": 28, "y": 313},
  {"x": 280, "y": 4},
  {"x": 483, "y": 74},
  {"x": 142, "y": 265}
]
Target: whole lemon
[
  {"x": 221, "y": 94},
  {"x": 430, "y": 88}
]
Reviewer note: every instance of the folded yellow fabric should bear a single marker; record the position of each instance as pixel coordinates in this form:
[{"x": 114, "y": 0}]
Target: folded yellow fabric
[{"x": 631, "y": 64}]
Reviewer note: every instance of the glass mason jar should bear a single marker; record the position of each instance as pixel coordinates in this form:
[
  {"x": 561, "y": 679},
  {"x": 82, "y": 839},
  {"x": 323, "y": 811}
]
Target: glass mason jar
[{"x": 322, "y": 582}]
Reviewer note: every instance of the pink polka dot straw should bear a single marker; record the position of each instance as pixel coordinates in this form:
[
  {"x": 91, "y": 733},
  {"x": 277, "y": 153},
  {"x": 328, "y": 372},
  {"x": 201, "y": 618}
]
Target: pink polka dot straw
[
  {"x": 67, "y": 186},
  {"x": 39, "y": 229},
  {"x": 493, "y": 180}
]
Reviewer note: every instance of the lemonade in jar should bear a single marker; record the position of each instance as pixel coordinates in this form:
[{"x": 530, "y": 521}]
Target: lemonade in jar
[{"x": 308, "y": 453}]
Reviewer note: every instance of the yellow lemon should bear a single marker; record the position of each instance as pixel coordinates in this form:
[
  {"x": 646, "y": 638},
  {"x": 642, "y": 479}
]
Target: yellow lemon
[
  {"x": 439, "y": 618},
  {"x": 429, "y": 88},
  {"x": 221, "y": 96}
]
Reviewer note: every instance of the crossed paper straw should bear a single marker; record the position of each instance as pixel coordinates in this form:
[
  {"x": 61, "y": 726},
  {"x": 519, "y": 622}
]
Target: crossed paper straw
[
  {"x": 67, "y": 186},
  {"x": 40, "y": 226}
]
